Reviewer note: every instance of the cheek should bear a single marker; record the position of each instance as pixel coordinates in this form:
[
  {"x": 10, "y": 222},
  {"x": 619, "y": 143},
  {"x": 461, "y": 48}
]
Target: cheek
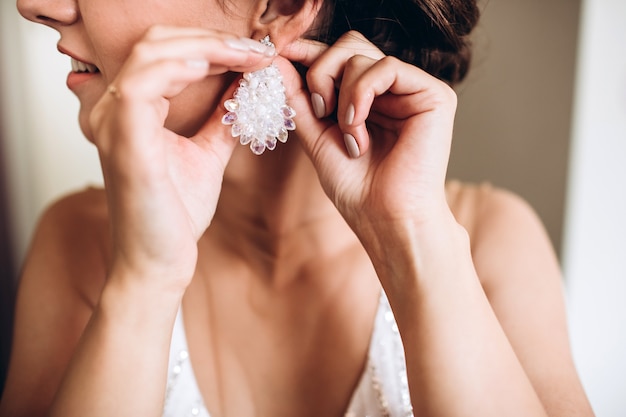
[{"x": 191, "y": 108}]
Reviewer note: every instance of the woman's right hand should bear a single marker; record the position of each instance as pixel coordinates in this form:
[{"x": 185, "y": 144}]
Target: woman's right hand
[{"x": 162, "y": 187}]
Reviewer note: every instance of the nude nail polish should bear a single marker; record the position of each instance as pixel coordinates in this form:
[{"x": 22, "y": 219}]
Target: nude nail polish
[
  {"x": 351, "y": 146},
  {"x": 319, "y": 108},
  {"x": 237, "y": 44},
  {"x": 258, "y": 47}
]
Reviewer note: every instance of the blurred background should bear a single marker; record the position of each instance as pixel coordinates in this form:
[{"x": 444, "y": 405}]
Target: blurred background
[{"x": 542, "y": 113}]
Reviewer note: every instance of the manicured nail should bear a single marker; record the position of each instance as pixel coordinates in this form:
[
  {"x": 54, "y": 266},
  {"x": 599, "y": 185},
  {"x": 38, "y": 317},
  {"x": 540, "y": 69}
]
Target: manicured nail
[
  {"x": 258, "y": 47},
  {"x": 351, "y": 146},
  {"x": 319, "y": 108},
  {"x": 237, "y": 44},
  {"x": 350, "y": 114},
  {"x": 270, "y": 51},
  {"x": 197, "y": 63}
]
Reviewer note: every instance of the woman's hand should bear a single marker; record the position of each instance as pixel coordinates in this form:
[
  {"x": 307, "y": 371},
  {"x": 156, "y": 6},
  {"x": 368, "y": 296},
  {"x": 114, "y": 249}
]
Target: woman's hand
[
  {"x": 388, "y": 182},
  {"x": 384, "y": 161},
  {"x": 163, "y": 187}
]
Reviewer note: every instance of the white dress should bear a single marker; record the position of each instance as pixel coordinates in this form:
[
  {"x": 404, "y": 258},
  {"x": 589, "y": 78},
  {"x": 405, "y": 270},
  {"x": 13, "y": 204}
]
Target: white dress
[{"x": 382, "y": 391}]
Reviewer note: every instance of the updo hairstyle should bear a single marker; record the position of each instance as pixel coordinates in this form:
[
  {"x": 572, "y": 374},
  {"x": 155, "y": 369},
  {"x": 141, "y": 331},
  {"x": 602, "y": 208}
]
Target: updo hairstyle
[{"x": 431, "y": 34}]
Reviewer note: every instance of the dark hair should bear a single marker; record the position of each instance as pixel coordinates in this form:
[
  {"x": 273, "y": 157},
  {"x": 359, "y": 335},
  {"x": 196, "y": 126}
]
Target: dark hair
[{"x": 431, "y": 34}]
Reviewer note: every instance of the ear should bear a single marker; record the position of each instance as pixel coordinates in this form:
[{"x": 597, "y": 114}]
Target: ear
[{"x": 284, "y": 20}]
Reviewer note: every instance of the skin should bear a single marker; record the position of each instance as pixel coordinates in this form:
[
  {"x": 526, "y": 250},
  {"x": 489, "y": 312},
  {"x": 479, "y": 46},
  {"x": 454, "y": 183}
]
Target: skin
[{"x": 293, "y": 246}]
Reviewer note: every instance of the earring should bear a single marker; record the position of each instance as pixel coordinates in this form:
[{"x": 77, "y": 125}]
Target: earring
[{"x": 258, "y": 112}]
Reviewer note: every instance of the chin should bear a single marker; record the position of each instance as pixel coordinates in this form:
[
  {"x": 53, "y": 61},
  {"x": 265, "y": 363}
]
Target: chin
[{"x": 85, "y": 127}]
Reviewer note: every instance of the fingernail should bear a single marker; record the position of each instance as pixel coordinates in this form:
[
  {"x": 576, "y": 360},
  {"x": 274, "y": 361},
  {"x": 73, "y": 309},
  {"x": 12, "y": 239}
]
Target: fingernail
[
  {"x": 270, "y": 51},
  {"x": 258, "y": 47},
  {"x": 237, "y": 44},
  {"x": 351, "y": 146},
  {"x": 319, "y": 108},
  {"x": 350, "y": 114}
]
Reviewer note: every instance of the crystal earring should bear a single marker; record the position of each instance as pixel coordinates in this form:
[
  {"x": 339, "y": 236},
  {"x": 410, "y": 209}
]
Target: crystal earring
[{"x": 258, "y": 112}]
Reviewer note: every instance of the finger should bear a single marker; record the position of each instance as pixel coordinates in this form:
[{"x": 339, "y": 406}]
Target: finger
[
  {"x": 325, "y": 74},
  {"x": 412, "y": 93},
  {"x": 423, "y": 91},
  {"x": 162, "y": 68},
  {"x": 304, "y": 51},
  {"x": 237, "y": 54},
  {"x": 321, "y": 139},
  {"x": 355, "y": 132},
  {"x": 378, "y": 113},
  {"x": 136, "y": 102},
  {"x": 214, "y": 136},
  {"x": 162, "y": 79},
  {"x": 157, "y": 32}
]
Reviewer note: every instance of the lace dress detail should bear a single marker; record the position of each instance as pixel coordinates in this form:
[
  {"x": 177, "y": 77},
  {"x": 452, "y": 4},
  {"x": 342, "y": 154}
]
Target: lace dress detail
[{"x": 382, "y": 390}]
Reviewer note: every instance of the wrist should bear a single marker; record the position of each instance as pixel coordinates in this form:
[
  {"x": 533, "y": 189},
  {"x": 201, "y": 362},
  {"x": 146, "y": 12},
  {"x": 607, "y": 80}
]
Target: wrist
[
  {"x": 152, "y": 275},
  {"x": 428, "y": 269},
  {"x": 139, "y": 299},
  {"x": 123, "y": 352},
  {"x": 409, "y": 252}
]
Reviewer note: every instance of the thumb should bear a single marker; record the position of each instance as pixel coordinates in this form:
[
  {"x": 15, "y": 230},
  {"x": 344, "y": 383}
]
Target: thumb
[
  {"x": 321, "y": 138},
  {"x": 214, "y": 136}
]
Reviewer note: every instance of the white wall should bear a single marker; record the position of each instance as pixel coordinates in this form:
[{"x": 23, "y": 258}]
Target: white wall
[
  {"x": 594, "y": 254},
  {"x": 45, "y": 153}
]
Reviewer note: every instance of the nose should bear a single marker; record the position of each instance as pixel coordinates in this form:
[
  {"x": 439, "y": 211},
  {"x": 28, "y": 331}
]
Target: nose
[{"x": 53, "y": 13}]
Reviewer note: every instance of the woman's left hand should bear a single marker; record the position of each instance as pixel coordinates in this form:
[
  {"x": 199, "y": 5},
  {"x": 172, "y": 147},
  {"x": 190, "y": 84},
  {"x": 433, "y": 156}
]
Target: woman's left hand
[{"x": 383, "y": 163}]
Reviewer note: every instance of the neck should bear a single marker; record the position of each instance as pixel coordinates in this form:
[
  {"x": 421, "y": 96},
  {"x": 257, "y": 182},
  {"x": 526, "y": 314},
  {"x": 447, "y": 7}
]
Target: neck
[{"x": 274, "y": 215}]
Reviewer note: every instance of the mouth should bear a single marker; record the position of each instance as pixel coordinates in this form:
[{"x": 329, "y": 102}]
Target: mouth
[{"x": 83, "y": 67}]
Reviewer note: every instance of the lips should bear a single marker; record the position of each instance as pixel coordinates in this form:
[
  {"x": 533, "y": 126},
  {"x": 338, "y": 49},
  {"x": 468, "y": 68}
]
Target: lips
[{"x": 83, "y": 67}]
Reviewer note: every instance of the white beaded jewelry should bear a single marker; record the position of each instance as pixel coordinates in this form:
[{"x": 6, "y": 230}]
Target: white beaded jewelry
[{"x": 258, "y": 113}]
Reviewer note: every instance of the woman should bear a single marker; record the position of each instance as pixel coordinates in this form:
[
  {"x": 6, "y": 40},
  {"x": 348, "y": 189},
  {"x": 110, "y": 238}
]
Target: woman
[{"x": 335, "y": 275}]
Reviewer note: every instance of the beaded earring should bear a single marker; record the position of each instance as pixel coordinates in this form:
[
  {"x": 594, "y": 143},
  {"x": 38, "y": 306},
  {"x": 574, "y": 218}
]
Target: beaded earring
[{"x": 258, "y": 112}]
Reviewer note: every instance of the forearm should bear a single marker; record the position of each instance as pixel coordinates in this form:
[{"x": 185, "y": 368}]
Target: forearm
[
  {"x": 119, "y": 367},
  {"x": 459, "y": 361}
]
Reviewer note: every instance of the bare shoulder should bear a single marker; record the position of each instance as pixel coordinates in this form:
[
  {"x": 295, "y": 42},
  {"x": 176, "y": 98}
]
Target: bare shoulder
[
  {"x": 521, "y": 277},
  {"x": 72, "y": 236},
  {"x": 482, "y": 206},
  {"x": 504, "y": 230},
  {"x": 87, "y": 205},
  {"x": 61, "y": 281}
]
